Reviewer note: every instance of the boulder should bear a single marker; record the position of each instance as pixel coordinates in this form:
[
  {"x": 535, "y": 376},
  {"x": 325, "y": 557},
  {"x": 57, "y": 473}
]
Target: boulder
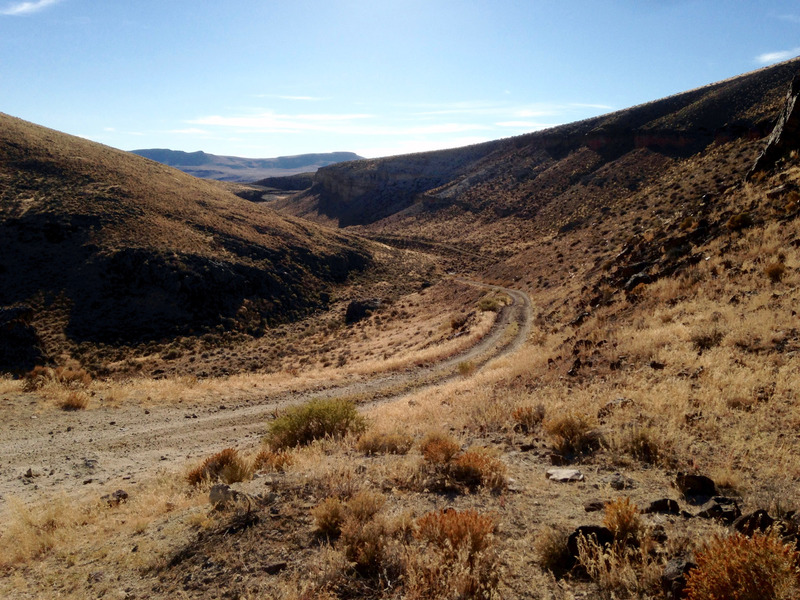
[
  {"x": 785, "y": 136},
  {"x": 360, "y": 309},
  {"x": 664, "y": 506},
  {"x": 695, "y": 488},
  {"x": 722, "y": 509},
  {"x": 758, "y": 520},
  {"x": 600, "y": 535},
  {"x": 673, "y": 579},
  {"x": 564, "y": 475}
]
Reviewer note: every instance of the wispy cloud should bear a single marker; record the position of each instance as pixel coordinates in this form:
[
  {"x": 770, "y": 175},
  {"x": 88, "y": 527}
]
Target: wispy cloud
[
  {"x": 773, "y": 57},
  {"x": 790, "y": 18},
  {"x": 285, "y": 97},
  {"x": 26, "y": 8},
  {"x": 189, "y": 131}
]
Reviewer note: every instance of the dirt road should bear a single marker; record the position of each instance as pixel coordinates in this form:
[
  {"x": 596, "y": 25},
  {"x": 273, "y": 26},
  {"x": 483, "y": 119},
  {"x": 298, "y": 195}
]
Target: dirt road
[{"x": 44, "y": 452}]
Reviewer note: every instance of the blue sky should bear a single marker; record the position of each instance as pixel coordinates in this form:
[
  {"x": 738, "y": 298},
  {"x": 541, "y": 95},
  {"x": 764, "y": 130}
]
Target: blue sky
[{"x": 376, "y": 77}]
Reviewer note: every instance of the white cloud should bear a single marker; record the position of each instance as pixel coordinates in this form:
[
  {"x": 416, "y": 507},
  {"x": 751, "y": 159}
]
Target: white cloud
[
  {"x": 26, "y": 8},
  {"x": 773, "y": 57},
  {"x": 189, "y": 131}
]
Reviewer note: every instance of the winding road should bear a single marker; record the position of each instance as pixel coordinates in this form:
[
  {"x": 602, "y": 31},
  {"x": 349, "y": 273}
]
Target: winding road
[{"x": 100, "y": 450}]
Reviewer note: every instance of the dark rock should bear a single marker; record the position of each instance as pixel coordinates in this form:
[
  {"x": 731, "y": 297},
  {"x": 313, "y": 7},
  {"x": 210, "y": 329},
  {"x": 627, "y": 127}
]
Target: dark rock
[
  {"x": 673, "y": 579},
  {"x": 695, "y": 486},
  {"x": 758, "y": 520},
  {"x": 721, "y": 508},
  {"x": 658, "y": 366},
  {"x": 618, "y": 481},
  {"x": 579, "y": 319},
  {"x": 783, "y": 138},
  {"x": 594, "y": 506},
  {"x": 664, "y": 506},
  {"x": 639, "y": 278},
  {"x": 275, "y": 568},
  {"x": 360, "y": 309},
  {"x": 613, "y": 405},
  {"x": 601, "y": 535}
]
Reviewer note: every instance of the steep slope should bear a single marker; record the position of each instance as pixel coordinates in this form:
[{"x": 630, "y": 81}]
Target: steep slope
[
  {"x": 551, "y": 178},
  {"x": 238, "y": 169},
  {"x": 116, "y": 248}
]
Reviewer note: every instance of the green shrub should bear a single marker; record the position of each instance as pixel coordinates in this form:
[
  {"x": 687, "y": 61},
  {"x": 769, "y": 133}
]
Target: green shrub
[{"x": 316, "y": 419}]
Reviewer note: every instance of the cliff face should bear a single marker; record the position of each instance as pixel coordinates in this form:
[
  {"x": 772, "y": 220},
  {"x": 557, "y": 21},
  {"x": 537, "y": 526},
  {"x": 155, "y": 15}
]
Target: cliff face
[{"x": 675, "y": 128}]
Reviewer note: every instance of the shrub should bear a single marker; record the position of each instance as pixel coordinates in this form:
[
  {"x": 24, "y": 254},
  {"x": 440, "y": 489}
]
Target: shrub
[
  {"x": 40, "y": 376},
  {"x": 489, "y": 303},
  {"x": 269, "y": 460},
  {"x": 75, "y": 400},
  {"x": 622, "y": 518},
  {"x": 316, "y": 419},
  {"x": 329, "y": 517},
  {"x": 466, "y": 367},
  {"x": 479, "y": 467},
  {"x": 742, "y": 568},
  {"x": 740, "y": 221},
  {"x": 226, "y": 466},
  {"x": 550, "y": 547},
  {"x": 457, "y": 561},
  {"x": 775, "y": 271},
  {"x": 706, "y": 337},
  {"x": 572, "y": 433},
  {"x": 385, "y": 443},
  {"x": 439, "y": 448},
  {"x": 452, "y": 530},
  {"x": 527, "y": 417}
]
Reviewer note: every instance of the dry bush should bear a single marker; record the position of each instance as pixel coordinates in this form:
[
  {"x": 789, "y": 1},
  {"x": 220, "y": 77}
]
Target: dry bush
[
  {"x": 439, "y": 448},
  {"x": 272, "y": 461},
  {"x": 466, "y": 367},
  {"x": 707, "y": 337},
  {"x": 329, "y": 517},
  {"x": 40, "y": 376},
  {"x": 450, "y": 530},
  {"x": 385, "y": 443},
  {"x": 572, "y": 433},
  {"x": 527, "y": 417},
  {"x": 641, "y": 443},
  {"x": 775, "y": 271},
  {"x": 226, "y": 466},
  {"x": 458, "y": 560},
  {"x": 34, "y": 530},
  {"x": 74, "y": 400},
  {"x": 316, "y": 419},
  {"x": 550, "y": 547},
  {"x": 740, "y": 221},
  {"x": 621, "y": 571},
  {"x": 479, "y": 467},
  {"x": 623, "y": 519},
  {"x": 742, "y": 568}
]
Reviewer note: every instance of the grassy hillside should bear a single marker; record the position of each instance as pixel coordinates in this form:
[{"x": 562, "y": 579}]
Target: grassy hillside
[{"x": 109, "y": 247}]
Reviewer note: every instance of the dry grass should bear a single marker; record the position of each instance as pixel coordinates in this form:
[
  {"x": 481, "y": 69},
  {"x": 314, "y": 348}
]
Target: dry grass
[
  {"x": 479, "y": 466},
  {"x": 572, "y": 433},
  {"x": 381, "y": 442},
  {"x": 227, "y": 466},
  {"x": 439, "y": 448}
]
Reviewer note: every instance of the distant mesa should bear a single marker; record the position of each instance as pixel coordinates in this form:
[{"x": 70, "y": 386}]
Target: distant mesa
[{"x": 243, "y": 170}]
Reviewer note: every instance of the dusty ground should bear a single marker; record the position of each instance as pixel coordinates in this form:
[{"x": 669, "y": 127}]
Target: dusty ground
[{"x": 47, "y": 451}]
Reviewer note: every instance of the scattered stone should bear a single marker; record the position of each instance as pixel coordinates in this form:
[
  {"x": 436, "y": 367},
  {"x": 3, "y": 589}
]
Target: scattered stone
[
  {"x": 758, "y": 520},
  {"x": 564, "y": 475},
  {"x": 618, "y": 481},
  {"x": 664, "y": 506},
  {"x": 695, "y": 486},
  {"x": 657, "y": 366},
  {"x": 275, "y": 568},
  {"x": 30, "y": 474},
  {"x": 594, "y": 505},
  {"x": 673, "y": 579},
  {"x": 527, "y": 447},
  {"x": 639, "y": 278},
  {"x": 360, "y": 309},
  {"x": 613, "y": 405},
  {"x": 721, "y": 508},
  {"x": 116, "y": 498}
]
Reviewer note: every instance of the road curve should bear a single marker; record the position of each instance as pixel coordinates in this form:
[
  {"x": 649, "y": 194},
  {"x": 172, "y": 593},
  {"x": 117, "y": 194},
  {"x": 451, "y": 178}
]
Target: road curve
[{"x": 100, "y": 450}]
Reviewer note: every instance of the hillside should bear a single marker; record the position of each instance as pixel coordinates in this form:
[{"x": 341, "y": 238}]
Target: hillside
[
  {"x": 564, "y": 175},
  {"x": 107, "y": 247},
  {"x": 242, "y": 170},
  {"x": 630, "y": 433}
]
